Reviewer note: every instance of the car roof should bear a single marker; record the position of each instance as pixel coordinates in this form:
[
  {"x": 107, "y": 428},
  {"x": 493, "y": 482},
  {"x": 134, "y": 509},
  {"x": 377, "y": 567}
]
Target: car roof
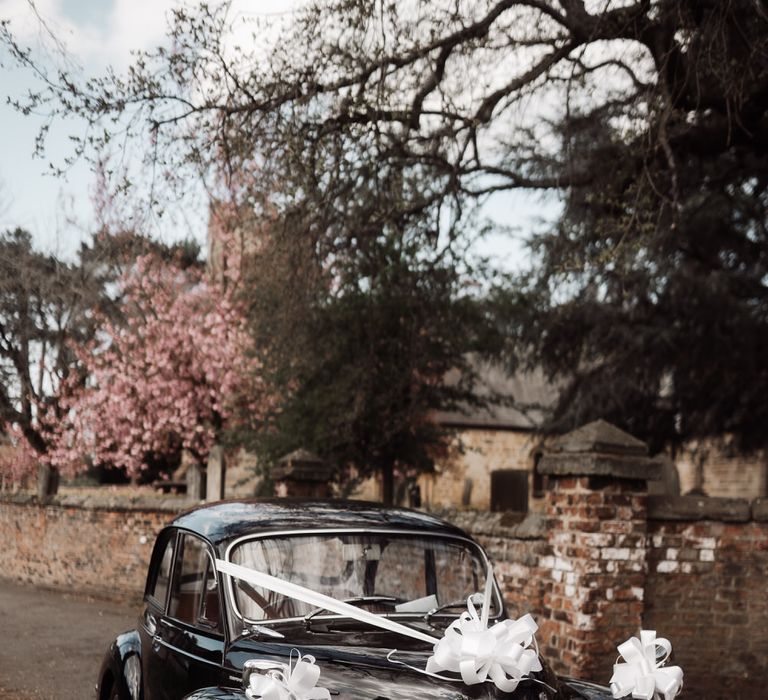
[{"x": 227, "y": 520}]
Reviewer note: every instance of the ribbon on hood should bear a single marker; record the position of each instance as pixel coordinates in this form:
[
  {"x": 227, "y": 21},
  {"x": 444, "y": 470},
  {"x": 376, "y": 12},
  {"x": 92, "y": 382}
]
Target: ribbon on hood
[
  {"x": 478, "y": 653},
  {"x": 642, "y": 675},
  {"x": 296, "y": 680}
]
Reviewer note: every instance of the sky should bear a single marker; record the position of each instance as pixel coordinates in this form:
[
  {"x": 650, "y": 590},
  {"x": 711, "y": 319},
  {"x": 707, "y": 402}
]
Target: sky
[
  {"x": 97, "y": 33},
  {"x": 100, "y": 33}
]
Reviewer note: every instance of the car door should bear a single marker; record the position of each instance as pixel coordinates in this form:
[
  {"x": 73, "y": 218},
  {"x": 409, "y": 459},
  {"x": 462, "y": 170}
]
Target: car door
[
  {"x": 188, "y": 641},
  {"x": 155, "y": 601}
]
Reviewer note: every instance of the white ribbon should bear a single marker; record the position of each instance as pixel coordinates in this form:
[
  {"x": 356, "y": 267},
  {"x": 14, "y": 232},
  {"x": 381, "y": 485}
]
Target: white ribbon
[
  {"x": 641, "y": 674},
  {"x": 479, "y": 653},
  {"x": 291, "y": 681},
  {"x": 319, "y": 600}
]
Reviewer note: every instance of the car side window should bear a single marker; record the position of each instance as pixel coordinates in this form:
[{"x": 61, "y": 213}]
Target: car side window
[
  {"x": 159, "y": 587},
  {"x": 194, "y": 591}
]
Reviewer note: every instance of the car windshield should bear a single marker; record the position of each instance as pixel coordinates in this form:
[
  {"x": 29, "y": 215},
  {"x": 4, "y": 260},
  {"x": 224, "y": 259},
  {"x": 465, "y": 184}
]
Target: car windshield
[{"x": 398, "y": 574}]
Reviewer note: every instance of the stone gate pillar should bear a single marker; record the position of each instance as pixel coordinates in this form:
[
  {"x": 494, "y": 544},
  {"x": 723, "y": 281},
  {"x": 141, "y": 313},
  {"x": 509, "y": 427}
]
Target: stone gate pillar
[
  {"x": 302, "y": 474},
  {"x": 595, "y": 571},
  {"x": 215, "y": 474}
]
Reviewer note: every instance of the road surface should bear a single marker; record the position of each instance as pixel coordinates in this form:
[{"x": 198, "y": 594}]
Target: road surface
[{"x": 51, "y": 643}]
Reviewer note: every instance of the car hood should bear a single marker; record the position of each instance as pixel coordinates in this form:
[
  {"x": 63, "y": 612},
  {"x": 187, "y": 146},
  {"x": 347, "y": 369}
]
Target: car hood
[{"x": 365, "y": 673}]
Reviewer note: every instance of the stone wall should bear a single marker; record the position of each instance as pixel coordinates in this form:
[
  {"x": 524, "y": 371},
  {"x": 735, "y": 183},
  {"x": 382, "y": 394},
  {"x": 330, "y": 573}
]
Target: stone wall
[
  {"x": 722, "y": 472},
  {"x": 464, "y": 479}
]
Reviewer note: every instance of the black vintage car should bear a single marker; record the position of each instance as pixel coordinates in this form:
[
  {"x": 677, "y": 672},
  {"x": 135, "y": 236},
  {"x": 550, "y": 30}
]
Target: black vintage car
[{"x": 199, "y": 627}]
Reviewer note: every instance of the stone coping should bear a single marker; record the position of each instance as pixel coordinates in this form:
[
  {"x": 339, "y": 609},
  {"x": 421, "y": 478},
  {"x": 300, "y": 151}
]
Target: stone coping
[
  {"x": 599, "y": 464},
  {"x": 479, "y": 522},
  {"x": 728, "y": 510},
  {"x": 105, "y": 501},
  {"x": 528, "y": 526}
]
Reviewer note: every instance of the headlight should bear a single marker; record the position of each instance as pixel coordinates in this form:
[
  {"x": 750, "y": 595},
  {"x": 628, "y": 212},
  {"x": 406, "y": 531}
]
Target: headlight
[{"x": 132, "y": 673}]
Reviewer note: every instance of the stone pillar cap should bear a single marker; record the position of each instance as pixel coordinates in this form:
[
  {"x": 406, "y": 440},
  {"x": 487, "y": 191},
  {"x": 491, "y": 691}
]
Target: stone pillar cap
[
  {"x": 599, "y": 449},
  {"x": 302, "y": 465},
  {"x": 298, "y": 456},
  {"x": 600, "y": 436}
]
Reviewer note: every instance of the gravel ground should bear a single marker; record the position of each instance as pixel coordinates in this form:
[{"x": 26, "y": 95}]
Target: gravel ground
[{"x": 52, "y": 643}]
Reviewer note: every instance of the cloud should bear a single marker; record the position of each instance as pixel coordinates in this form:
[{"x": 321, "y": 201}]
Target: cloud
[
  {"x": 91, "y": 39},
  {"x": 133, "y": 25},
  {"x": 44, "y": 25}
]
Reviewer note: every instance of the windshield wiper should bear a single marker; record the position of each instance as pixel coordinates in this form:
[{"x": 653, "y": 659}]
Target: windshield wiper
[
  {"x": 357, "y": 600},
  {"x": 254, "y": 630},
  {"x": 477, "y": 598}
]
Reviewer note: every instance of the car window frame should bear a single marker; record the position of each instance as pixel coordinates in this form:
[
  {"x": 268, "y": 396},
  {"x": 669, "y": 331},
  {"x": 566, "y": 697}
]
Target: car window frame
[
  {"x": 204, "y": 621},
  {"x": 199, "y": 624}
]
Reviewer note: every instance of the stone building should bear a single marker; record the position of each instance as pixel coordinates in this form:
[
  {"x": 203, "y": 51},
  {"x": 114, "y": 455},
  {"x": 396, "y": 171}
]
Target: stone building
[
  {"x": 498, "y": 448},
  {"x": 495, "y": 466}
]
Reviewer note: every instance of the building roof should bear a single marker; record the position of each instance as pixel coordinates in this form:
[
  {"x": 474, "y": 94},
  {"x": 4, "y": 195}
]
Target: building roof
[{"x": 519, "y": 401}]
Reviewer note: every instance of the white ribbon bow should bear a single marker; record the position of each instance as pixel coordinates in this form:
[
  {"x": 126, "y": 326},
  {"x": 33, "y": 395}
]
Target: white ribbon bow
[
  {"x": 642, "y": 675},
  {"x": 477, "y": 652},
  {"x": 291, "y": 681}
]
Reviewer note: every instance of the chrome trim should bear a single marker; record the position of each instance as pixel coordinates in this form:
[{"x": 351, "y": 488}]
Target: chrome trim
[{"x": 229, "y": 588}]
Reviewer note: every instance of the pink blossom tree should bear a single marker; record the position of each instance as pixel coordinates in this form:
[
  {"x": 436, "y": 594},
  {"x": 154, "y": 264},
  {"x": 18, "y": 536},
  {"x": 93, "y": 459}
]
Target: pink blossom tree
[{"x": 173, "y": 374}]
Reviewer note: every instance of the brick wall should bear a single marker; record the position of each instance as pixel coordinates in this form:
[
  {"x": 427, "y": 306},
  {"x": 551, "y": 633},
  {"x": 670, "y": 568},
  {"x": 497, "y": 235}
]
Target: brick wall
[
  {"x": 707, "y": 591},
  {"x": 516, "y": 547},
  {"x": 603, "y": 561},
  {"x": 92, "y": 547},
  {"x": 597, "y": 568},
  {"x": 607, "y": 560}
]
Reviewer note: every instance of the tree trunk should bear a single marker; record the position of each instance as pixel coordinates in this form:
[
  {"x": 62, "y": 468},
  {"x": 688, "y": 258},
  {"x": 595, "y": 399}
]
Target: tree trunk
[
  {"x": 47, "y": 481},
  {"x": 388, "y": 484}
]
